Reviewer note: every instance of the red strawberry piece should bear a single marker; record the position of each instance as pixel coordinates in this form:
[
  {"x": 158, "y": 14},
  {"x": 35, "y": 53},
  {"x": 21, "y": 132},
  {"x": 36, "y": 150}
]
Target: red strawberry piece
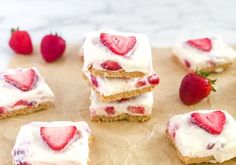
[
  {"x": 141, "y": 82},
  {"x": 2, "y": 110},
  {"x": 195, "y": 86},
  {"x": 24, "y": 80},
  {"x": 94, "y": 81},
  {"x": 136, "y": 109},
  {"x": 212, "y": 122},
  {"x": 203, "y": 44},
  {"x": 52, "y": 47},
  {"x": 23, "y": 163},
  {"x": 22, "y": 102},
  {"x": 119, "y": 45},
  {"x": 187, "y": 63},
  {"x": 20, "y": 42},
  {"x": 111, "y": 65},
  {"x": 123, "y": 100},
  {"x": 110, "y": 110},
  {"x": 57, "y": 137},
  {"x": 153, "y": 79}
]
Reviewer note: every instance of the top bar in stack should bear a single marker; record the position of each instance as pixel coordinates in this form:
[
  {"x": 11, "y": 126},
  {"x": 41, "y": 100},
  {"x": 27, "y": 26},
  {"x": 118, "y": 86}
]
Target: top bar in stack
[{"x": 117, "y": 54}]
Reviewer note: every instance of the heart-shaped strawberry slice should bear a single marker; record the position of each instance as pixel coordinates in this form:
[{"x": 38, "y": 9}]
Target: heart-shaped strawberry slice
[
  {"x": 203, "y": 44},
  {"x": 57, "y": 137},
  {"x": 24, "y": 80},
  {"x": 119, "y": 45},
  {"x": 212, "y": 122}
]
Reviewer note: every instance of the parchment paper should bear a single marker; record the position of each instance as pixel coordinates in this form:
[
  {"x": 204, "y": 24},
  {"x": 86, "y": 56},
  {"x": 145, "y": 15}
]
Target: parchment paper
[{"x": 117, "y": 143}]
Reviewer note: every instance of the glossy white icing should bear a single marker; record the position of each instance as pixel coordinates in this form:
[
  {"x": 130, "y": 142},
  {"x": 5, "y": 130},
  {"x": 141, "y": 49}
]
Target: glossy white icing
[
  {"x": 138, "y": 59},
  {"x": 219, "y": 54},
  {"x": 31, "y": 148},
  {"x": 11, "y": 94},
  {"x": 193, "y": 141}
]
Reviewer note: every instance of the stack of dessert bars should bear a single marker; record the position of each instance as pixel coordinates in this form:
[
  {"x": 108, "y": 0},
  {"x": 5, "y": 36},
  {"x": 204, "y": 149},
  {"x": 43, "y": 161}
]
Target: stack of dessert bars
[{"x": 118, "y": 67}]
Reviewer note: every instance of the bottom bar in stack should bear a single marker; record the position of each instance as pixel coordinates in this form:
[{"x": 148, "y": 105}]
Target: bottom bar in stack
[{"x": 133, "y": 109}]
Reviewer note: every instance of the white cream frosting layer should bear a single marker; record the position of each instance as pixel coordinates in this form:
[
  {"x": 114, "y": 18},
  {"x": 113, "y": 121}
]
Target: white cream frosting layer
[
  {"x": 138, "y": 59},
  {"x": 10, "y": 94},
  {"x": 98, "y": 108},
  {"x": 219, "y": 54},
  {"x": 32, "y": 149},
  {"x": 113, "y": 86},
  {"x": 192, "y": 141}
]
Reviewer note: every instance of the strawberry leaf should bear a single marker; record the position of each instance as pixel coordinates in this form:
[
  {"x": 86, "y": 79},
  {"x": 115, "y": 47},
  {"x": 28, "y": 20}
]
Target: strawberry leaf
[{"x": 206, "y": 74}]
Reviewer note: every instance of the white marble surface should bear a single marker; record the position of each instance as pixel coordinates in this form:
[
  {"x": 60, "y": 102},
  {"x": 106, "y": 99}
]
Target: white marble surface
[{"x": 164, "y": 21}]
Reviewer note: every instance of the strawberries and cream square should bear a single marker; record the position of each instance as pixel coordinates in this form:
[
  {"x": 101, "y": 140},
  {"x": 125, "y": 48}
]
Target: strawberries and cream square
[
  {"x": 58, "y": 142},
  {"x": 140, "y": 105},
  {"x": 210, "y": 54},
  {"x": 204, "y": 135},
  {"x": 114, "y": 51},
  {"x": 23, "y": 88},
  {"x": 116, "y": 89}
]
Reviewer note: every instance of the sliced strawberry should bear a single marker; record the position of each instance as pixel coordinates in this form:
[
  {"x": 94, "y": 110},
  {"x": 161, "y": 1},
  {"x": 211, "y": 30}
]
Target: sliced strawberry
[
  {"x": 119, "y": 45},
  {"x": 22, "y": 102},
  {"x": 57, "y": 137},
  {"x": 110, "y": 110},
  {"x": 2, "y": 110},
  {"x": 94, "y": 81},
  {"x": 111, "y": 65},
  {"x": 23, "y": 163},
  {"x": 212, "y": 122},
  {"x": 153, "y": 79},
  {"x": 203, "y": 44},
  {"x": 141, "y": 82},
  {"x": 136, "y": 109},
  {"x": 24, "y": 80}
]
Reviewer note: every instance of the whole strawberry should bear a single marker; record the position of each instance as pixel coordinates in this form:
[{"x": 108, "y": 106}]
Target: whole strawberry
[
  {"x": 52, "y": 47},
  {"x": 195, "y": 86},
  {"x": 20, "y": 42}
]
